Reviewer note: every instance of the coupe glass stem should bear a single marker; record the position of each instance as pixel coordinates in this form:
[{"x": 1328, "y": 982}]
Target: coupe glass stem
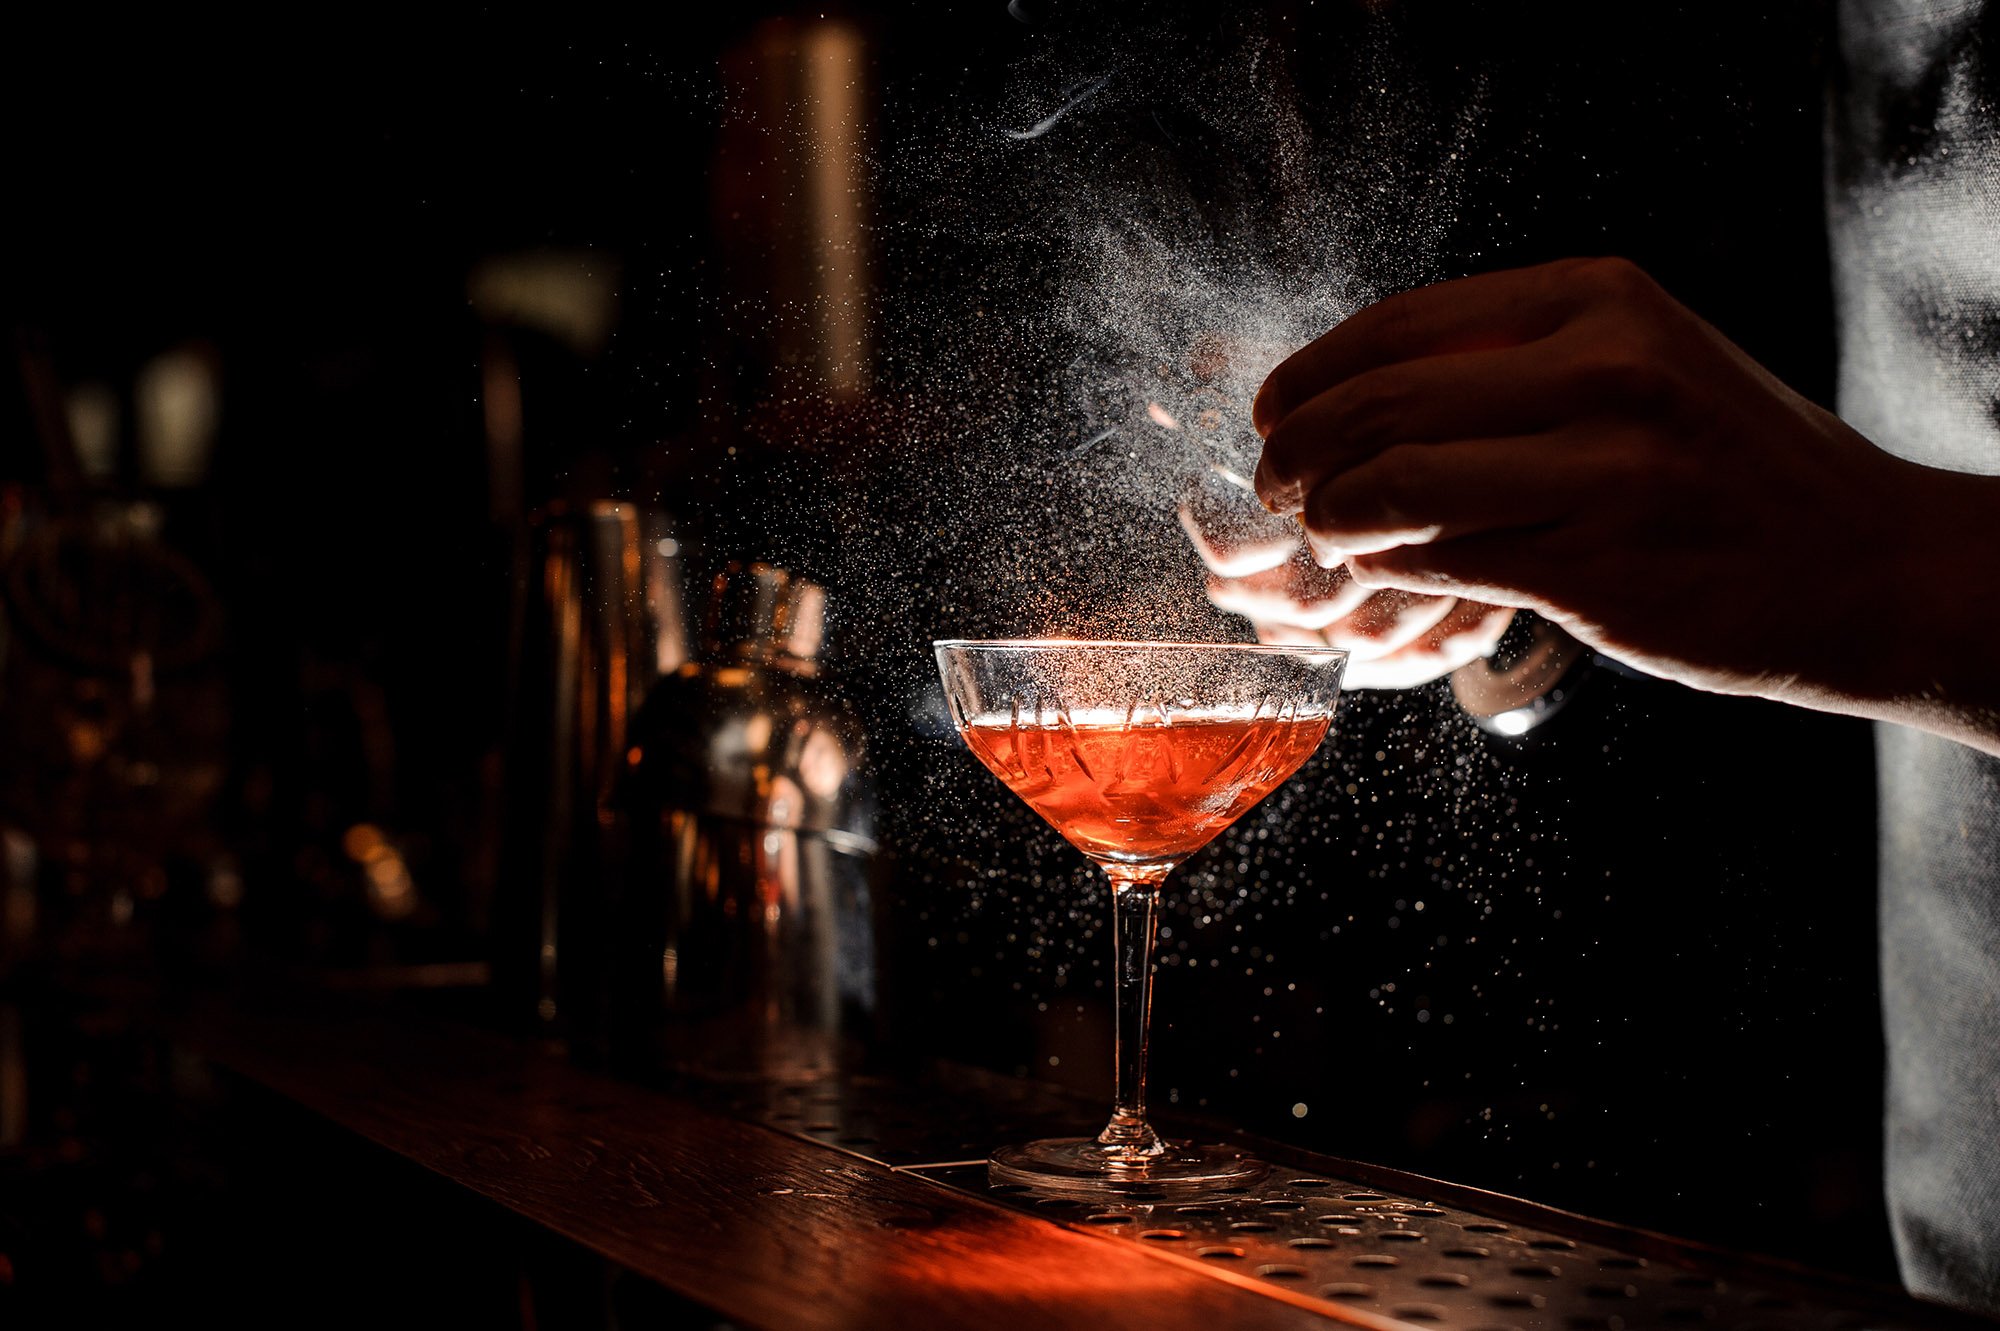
[{"x": 1135, "y": 900}]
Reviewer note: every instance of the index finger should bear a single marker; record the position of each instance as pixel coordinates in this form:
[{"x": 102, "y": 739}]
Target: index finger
[{"x": 1466, "y": 314}]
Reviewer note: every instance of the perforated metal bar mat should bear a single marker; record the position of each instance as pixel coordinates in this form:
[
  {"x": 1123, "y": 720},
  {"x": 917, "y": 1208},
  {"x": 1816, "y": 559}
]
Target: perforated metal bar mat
[{"x": 1360, "y": 1243}]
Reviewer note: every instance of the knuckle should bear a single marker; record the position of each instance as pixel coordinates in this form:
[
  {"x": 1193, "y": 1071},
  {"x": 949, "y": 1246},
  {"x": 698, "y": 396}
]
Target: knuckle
[
  {"x": 1627, "y": 374},
  {"x": 1391, "y": 317},
  {"x": 1617, "y": 278}
]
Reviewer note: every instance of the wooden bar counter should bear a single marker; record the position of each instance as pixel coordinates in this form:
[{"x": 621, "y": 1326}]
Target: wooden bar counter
[{"x": 769, "y": 1227}]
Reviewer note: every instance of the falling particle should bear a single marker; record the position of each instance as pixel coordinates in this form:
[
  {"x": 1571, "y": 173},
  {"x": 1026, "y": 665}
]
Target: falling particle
[{"x": 1299, "y": 1110}]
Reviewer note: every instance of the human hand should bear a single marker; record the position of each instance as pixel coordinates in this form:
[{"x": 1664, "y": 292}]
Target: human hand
[
  {"x": 1258, "y": 567},
  {"x": 1570, "y": 439}
]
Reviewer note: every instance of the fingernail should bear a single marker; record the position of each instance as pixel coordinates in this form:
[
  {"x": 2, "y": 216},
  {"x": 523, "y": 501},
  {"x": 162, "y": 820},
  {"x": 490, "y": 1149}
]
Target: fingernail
[
  {"x": 1324, "y": 552},
  {"x": 1283, "y": 498},
  {"x": 1262, "y": 408}
]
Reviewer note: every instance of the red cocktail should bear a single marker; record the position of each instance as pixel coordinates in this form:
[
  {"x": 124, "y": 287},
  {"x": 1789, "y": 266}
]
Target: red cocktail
[{"x": 1139, "y": 753}]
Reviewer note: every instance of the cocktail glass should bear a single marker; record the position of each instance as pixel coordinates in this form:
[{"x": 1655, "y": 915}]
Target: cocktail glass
[{"x": 1139, "y": 753}]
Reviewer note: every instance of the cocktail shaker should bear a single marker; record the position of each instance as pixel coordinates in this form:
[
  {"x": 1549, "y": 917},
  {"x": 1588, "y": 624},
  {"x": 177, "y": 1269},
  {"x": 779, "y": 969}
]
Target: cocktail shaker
[{"x": 743, "y": 941}]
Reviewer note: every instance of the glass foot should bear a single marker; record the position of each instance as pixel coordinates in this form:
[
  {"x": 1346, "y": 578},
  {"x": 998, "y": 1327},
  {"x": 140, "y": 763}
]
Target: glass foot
[{"x": 1080, "y": 1167}]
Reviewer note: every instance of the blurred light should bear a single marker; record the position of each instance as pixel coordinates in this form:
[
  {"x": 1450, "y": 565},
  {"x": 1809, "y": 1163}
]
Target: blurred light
[
  {"x": 1517, "y": 722},
  {"x": 806, "y": 625},
  {"x": 390, "y": 891},
  {"x": 823, "y": 764},
  {"x": 177, "y": 407},
  {"x": 93, "y": 429},
  {"x": 500, "y": 404},
  {"x": 571, "y": 294},
  {"x": 834, "y": 65},
  {"x": 362, "y": 842}
]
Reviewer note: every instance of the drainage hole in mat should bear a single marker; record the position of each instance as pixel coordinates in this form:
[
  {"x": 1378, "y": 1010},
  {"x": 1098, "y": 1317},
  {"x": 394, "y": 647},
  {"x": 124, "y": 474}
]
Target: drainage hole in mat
[
  {"x": 1401, "y": 1236},
  {"x": 1220, "y": 1254},
  {"x": 1312, "y": 1243},
  {"x": 1537, "y": 1271},
  {"x": 1107, "y": 1219},
  {"x": 1377, "y": 1259},
  {"x": 1469, "y": 1254},
  {"x": 1612, "y": 1291},
  {"x": 1312, "y": 1183},
  {"x": 1422, "y": 1210},
  {"x": 1233, "y": 1192},
  {"x": 1282, "y": 1205},
  {"x": 1366, "y": 1197},
  {"x": 1008, "y": 1187},
  {"x": 1420, "y": 1312},
  {"x": 1697, "y": 1282},
  {"x": 1254, "y": 1226},
  {"x": 1622, "y": 1263},
  {"x": 1282, "y": 1271},
  {"x": 1347, "y": 1289},
  {"x": 1446, "y": 1280},
  {"x": 1553, "y": 1245},
  {"x": 1484, "y": 1227},
  {"x": 1338, "y": 1228},
  {"x": 1057, "y": 1204},
  {"x": 1163, "y": 1235},
  {"x": 1519, "y": 1300},
  {"x": 1197, "y": 1210}
]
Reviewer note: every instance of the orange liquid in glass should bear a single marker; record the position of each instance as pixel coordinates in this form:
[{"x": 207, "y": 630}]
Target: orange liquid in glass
[{"x": 1145, "y": 793}]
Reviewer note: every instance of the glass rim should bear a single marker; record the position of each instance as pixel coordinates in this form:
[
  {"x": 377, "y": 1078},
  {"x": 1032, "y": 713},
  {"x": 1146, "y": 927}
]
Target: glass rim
[{"x": 1127, "y": 644}]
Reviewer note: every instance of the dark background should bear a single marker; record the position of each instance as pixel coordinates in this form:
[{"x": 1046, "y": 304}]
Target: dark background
[{"x": 1650, "y": 925}]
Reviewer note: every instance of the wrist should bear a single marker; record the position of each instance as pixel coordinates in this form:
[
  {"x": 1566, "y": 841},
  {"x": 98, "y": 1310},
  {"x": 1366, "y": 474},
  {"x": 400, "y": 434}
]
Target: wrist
[{"x": 1942, "y": 646}]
